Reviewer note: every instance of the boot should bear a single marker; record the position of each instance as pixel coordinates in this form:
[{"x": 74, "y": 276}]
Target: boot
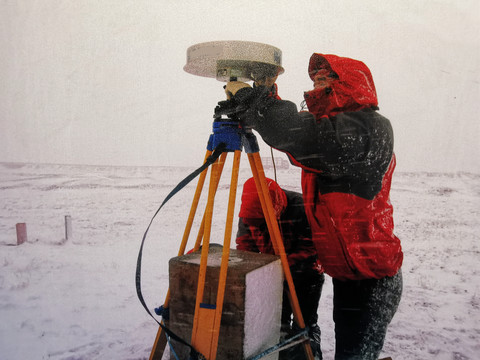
[{"x": 314, "y": 335}]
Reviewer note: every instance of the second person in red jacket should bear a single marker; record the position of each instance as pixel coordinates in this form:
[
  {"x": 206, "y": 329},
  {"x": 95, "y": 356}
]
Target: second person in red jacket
[{"x": 302, "y": 258}]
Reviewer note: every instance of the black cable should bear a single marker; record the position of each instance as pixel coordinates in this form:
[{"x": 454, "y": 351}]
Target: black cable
[{"x": 274, "y": 166}]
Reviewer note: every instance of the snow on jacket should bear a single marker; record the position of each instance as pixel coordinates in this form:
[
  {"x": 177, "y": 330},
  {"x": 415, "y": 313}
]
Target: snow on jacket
[
  {"x": 253, "y": 233},
  {"x": 345, "y": 149}
]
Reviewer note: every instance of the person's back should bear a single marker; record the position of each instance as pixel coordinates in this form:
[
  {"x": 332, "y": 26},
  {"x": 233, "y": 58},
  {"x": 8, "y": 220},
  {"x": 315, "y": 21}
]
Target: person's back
[{"x": 253, "y": 234}]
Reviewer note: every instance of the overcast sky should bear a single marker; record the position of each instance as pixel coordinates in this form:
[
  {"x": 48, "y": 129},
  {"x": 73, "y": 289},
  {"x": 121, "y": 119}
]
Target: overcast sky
[{"x": 102, "y": 82}]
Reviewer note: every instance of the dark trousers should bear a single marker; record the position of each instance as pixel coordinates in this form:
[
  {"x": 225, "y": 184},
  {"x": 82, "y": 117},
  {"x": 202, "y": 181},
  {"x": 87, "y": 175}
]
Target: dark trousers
[
  {"x": 308, "y": 287},
  {"x": 362, "y": 310}
]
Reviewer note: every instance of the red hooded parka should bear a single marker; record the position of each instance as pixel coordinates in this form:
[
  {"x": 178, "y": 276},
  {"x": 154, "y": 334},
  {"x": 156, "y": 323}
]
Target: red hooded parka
[{"x": 345, "y": 149}]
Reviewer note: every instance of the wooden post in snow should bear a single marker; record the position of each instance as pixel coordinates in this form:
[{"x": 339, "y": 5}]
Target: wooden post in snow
[
  {"x": 21, "y": 233},
  {"x": 68, "y": 227}
]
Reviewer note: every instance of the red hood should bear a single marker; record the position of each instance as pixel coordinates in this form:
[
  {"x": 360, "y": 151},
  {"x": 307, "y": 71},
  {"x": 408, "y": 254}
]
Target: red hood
[
  {"x": 251, "y": 206},
  {"x": 353, "y": 90}
]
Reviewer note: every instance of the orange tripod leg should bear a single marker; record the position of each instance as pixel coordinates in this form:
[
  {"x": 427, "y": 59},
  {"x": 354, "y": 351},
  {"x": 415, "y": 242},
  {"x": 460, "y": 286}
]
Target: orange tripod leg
[
  {"x": 272, "y": 225},
  {"x": 203, "y": 316},
  {"x": 193, "y": 209},
  {"x": 160, "y": 339},
  {"x": 222, "y": 280},
  {"x": 206, "y": 328},
  {"x": 221, "y": 164}
]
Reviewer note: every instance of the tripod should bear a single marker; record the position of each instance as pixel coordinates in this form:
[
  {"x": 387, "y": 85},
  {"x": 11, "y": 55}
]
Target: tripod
[{"x": 206, "y": 322}]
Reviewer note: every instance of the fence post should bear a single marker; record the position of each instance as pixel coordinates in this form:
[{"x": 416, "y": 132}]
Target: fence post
[
  {"x": 68, "y": 227},
  {"x": 21, "y": 233}
]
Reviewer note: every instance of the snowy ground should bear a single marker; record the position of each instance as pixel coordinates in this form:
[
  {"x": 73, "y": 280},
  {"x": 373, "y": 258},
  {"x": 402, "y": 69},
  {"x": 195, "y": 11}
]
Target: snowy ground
[{"x": 76, "y": 299}]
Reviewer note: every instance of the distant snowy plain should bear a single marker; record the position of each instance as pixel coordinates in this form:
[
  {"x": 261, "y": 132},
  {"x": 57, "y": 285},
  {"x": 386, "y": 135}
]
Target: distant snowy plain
[{"x": 75, "y": 299}]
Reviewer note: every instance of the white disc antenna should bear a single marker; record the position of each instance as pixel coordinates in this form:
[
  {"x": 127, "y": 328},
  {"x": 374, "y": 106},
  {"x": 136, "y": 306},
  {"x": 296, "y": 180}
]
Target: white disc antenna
[{"x": 240, "y": 60}]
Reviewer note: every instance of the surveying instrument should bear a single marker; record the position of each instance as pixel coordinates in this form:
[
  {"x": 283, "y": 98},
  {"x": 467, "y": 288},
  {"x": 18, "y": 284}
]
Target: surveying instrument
[{"x": 228, "y": 61}]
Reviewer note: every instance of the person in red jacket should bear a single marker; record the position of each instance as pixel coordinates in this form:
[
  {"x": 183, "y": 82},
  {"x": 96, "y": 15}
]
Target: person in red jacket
[
  {"x": 345, "y": 150},
  {"x": 302, "y": 258}
]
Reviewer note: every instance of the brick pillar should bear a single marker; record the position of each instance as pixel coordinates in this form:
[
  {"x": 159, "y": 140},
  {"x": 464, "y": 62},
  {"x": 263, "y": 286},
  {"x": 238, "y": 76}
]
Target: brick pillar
[{"x": 252, "y": 306}]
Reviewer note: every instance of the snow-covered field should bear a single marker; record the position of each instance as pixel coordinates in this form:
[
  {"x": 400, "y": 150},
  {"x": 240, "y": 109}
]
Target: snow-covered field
[{"x": 75, "y": 299}]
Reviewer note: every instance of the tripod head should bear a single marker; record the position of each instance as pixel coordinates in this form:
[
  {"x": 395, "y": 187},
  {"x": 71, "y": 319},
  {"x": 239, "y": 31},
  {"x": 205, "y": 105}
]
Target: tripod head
[
  {"x": 234, "y": 60},
  {"x": 226, "y": 130}
]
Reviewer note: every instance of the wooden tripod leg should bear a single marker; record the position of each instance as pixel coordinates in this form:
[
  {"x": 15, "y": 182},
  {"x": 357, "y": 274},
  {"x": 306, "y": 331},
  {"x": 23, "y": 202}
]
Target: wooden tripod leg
[
  {"x": 275, "y": 235},
  {"x": 204, "y": 316},
  {"x": 161, "y": 339},
  {"x": 193, "y": 209},
  {"x": 221, "y": 164},
  {"x": 222, "y": 279}
]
